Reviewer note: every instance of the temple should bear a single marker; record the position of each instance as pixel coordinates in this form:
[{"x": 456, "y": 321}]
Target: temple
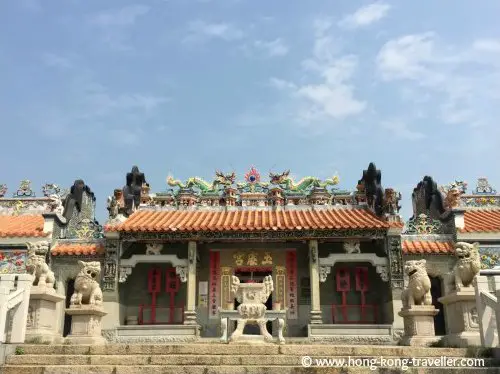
[{"x": 335, "y": 257}]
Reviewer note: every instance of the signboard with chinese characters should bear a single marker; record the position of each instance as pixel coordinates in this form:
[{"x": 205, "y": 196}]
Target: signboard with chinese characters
[
  {"x": 280, "y": 286},
  {"x": 12, "y": 261},
  {"x": 252, "y": 258},
  {"x": 203, "y": 293},
  {"x": 214, "y": 294},
  {"x": 291, "y": 294}
]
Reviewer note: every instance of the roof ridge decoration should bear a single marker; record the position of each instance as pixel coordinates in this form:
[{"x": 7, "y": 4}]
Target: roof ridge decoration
[
  {"x": 221, "y": 181},
  {"x": 424, "y": 225},
  {"x": 224, "y": 193},
  {"x": 25, "y": 201},
  {"x": 483, "y": 196}
]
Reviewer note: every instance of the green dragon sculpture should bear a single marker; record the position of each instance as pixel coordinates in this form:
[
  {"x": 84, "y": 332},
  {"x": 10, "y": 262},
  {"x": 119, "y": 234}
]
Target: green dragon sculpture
[
  {"x": 285, "y": 181},
  {"x": 221, "y": 179}
]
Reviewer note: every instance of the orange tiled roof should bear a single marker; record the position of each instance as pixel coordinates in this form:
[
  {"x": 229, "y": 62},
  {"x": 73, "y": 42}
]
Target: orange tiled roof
[
  {"x": 21, "y": 226},
  {"x": 411, "y": 247},
  {"x": 73, "y": 249},
  {"x": 249, "y": 220},
  {"x": 481, "y": 220}
]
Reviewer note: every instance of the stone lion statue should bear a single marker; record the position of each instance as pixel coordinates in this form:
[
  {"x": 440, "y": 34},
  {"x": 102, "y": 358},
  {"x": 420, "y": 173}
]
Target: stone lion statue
[
  {"x": 36, "y": 265},
  {"x": 87, "y": 289},
  {"x": 418, "y": 291},
  {"x": 468, "y": 264}
]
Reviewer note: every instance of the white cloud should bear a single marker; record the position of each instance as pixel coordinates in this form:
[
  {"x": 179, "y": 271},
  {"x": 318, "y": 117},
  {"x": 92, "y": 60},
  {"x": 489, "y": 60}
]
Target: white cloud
[
  {"x": 125, "y": 16},
  {"x": 200, "y": 30},
  {"x": 281, "y": 84},
  {"x": 274, "y": 48},
  {"x": 401, "y": 131},
  {"x": 454, "y": 74},
  {"x": 366, "y": 15},
  {"x": 113, "y": 25},
  {"x": 488, "y": 45},
  {"x": 329, "y": 94},
  {"x": 56, "y": 61}
]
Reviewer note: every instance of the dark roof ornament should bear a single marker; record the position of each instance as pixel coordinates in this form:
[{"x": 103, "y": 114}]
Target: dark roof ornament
[
  {"x": 429, "y": 200},
  {"x": 132, "y": 190},
  {"x": 371, "y": 181},
  {"x": 75, "y": 198}
]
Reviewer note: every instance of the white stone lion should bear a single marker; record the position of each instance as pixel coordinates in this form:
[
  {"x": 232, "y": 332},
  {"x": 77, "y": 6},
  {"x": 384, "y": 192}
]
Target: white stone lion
[
  {"x": 87, "y": 289},
  {"x": 36, "y": 265},
  {"x": 418, "y": 291},
  {"x": 468, "y": 264}
]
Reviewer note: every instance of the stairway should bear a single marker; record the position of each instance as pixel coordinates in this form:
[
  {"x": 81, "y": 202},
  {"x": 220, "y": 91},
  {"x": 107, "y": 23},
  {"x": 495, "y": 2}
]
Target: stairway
[{"x": 203, "y": 358}]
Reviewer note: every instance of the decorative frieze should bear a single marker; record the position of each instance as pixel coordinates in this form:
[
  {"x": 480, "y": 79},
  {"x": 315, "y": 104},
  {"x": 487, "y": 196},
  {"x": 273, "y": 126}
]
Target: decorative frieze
[{"x": 267, "y": 235}]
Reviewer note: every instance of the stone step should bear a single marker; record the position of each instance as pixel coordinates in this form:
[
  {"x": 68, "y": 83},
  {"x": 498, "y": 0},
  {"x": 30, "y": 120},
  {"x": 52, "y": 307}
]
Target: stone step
[
  {"x": 206, "y": 360},
  {"x": 200, "y": 369},
  {"x": 235, "y": 349}
]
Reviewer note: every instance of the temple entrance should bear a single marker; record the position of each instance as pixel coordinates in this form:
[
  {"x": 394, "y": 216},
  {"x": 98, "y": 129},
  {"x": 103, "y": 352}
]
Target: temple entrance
[
  {"x": 436, "y": 292},
  {"x": 70, "y": 288},
  {"x": 249, "y": 275}
]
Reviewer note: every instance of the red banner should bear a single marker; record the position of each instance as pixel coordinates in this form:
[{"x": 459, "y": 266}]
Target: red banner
[
  {"x": 291, "y": 267},
  {"x": 214, "y": 293}
]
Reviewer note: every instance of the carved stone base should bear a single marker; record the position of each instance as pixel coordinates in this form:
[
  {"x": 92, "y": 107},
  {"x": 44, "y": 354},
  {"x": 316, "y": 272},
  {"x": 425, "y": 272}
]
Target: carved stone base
[
  {"x": 85, "y": 325},
  {"x": 316, "y": 317},
  {"x": 190, "y": 317},
  {"x": 419, "y": 325},
  {"x": 41, "y": 326},
  {"x": 461, "y": 317}
]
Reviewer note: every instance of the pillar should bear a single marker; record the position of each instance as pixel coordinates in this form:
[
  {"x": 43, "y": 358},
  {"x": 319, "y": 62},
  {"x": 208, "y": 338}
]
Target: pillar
[
  {"x": 395, "y": 256},
  {"x": 190, "y": 312},
  {"x": 315, "y": 313},
  {"x": 111, "y": 296}
]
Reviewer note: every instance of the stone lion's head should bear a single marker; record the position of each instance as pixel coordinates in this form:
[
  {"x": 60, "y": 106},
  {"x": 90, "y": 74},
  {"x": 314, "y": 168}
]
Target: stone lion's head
[
  {"x": 415, "y": 266},
  {"x": 466, "y": 251},
  {"x": 90, "y": 270}
]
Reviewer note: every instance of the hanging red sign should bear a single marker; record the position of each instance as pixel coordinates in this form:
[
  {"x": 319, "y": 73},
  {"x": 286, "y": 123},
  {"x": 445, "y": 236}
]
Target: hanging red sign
[
  {"x": 343, "y": 280},
  {"x": 362, "y": 279},
  {"x": 291, "y": 267}
]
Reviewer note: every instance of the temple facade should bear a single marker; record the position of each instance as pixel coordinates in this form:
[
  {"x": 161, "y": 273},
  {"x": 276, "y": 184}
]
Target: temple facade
[{"x": 336, "y": 257}]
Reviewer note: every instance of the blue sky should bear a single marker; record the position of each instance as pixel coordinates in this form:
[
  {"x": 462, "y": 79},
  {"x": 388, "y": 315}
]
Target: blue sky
[{"x": 185, "y": 87}]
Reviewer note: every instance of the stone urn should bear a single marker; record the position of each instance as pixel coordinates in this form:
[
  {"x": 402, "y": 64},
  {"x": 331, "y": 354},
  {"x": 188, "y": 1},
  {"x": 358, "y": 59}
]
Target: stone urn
[{"x": 252, "y": 309}]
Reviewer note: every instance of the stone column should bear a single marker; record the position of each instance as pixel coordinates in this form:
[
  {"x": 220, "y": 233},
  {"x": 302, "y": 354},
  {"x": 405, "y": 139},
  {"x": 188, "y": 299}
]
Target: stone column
[
  {"x": 190, "y": 312},
  {"x": 315, "y": 313},
  {"x": 111, "y": 300},
  {"x": 394, "y": 253}
]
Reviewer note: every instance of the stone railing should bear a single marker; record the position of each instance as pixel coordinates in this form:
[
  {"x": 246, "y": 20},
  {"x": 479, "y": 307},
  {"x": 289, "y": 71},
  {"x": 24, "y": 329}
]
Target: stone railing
[
  {"x": 14, "y": 298},
  {"x": 487, "y": 288}
]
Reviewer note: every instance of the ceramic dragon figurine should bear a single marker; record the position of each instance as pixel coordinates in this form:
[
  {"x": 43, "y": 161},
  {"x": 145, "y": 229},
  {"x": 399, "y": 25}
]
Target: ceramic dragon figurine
[
  {"x": 221, "y": 179},
  {"x": 302, "y": 185}
]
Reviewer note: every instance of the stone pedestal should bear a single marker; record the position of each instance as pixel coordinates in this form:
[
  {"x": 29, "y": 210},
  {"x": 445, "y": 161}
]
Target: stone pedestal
[
  {"x": 418, "y": 325},
  {"x": 461, "y": 318},
  {"x": 85, "y": 325},
  {"x": 42, "y": 326}
]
